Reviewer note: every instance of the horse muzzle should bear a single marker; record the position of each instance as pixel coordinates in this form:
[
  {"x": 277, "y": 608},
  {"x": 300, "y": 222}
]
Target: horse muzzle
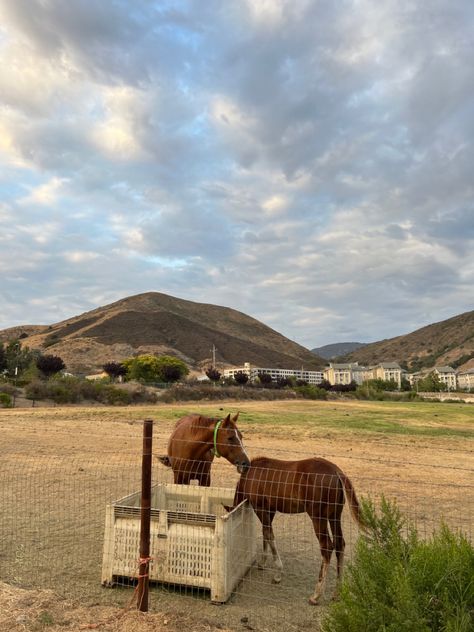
[{"x": 242, "y": 466}]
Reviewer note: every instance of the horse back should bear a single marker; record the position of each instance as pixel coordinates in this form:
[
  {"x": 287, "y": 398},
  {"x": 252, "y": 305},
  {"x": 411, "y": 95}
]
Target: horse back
[{"x": 291, "y": 486}]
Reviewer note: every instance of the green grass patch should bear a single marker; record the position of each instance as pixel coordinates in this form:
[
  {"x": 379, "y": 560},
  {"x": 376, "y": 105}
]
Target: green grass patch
[{"x": 408, "y": 419}]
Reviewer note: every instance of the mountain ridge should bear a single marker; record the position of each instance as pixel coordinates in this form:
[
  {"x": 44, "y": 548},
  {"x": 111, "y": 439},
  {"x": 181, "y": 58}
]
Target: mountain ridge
[
  {"x": 336, "y": 349},
  {"x": 153, "y": 322},
  {"x": 447, "y": 342}
]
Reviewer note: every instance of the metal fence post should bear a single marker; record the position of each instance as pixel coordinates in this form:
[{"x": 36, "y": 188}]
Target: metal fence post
[{"x": 143, "y": 575}]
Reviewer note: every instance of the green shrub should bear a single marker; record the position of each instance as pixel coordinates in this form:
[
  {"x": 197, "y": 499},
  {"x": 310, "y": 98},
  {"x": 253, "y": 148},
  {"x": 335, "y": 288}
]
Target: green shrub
[
  {"x": 36, "y": 390},
  {"x": 400, "y": 583},
  {"x": 184, "y": 392},
  {"x": 71, "y": 390},
  {"x": 6, "y": 400},
  {"x": 114, "y": 396},
  {"x": 311, "y": 392}
]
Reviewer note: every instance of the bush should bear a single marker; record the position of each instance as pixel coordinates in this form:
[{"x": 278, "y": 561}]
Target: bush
[
  {"x": 70, "y": 390},
  {"x": 311, "y": 392},
  {"x": 400, "y": 582},
  {"x": 182, "y": 392},
  {"x": 6, "y": 400}
]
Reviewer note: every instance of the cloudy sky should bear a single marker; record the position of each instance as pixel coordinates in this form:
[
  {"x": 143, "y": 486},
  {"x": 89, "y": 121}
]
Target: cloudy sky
[{"x": 307, "y": 162}]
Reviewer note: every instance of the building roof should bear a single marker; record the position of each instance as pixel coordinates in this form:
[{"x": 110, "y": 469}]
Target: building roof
[
  {"x": 340, "y": 366},
  {"x": 444, "y": 369},
  {"x": 389, "y": 365}
]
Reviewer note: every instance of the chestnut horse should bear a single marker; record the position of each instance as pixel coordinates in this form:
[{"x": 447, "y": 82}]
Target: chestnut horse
[
  {"x": 314, "y": 486},
  {"x": 194, "y": 443}
]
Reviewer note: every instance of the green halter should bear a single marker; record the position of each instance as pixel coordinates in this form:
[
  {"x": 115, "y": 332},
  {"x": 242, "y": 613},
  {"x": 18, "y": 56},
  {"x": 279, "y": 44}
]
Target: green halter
[{"x": 216, "y": 430}]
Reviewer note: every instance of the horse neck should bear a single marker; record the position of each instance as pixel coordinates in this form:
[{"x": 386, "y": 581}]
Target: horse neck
[{"x": 203, "y": 438}]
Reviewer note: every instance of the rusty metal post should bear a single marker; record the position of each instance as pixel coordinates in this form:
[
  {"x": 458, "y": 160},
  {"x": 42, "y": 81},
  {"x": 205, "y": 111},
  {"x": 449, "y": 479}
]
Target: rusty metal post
[{"x": 143, "y": 575}]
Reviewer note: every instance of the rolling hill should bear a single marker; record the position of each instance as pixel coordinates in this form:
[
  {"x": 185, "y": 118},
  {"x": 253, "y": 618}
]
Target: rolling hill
[
  {"x": 162, "y": 324},
  {"x": 337, "y": 349},
  {"x": 449, "y": 342}
]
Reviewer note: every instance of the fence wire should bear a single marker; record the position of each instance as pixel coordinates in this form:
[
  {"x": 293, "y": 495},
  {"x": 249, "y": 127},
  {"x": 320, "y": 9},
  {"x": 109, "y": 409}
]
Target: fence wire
[{"x": 70, "y": 522}]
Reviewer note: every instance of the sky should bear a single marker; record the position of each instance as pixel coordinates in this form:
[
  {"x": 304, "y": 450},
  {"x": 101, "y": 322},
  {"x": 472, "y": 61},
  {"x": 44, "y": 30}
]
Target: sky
[{"x": 307, "y": 162}]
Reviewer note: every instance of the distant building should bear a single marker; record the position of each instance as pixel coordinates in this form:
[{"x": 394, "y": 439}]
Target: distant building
[
  {"x": 387, "y": 371},
  {"x": 340, "y": 373},
  {"x": 312, "y": 377},
  {"x": 97, "y": 376},
  {"x": 413, "y": 378},
  {"x": 465, "y": 379},
  {"x": 347, "y": 373},
  {"x": 447, "y": 375},
  {"x": 334, "y": 373}
]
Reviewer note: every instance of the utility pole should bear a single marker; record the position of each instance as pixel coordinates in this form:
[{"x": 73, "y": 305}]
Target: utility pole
[{"x": 214, "y": 355}]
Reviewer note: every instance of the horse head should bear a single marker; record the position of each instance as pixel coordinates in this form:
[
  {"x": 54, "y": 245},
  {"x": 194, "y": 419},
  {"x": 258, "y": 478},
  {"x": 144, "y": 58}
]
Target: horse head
[{"x": 228, "y": 443}]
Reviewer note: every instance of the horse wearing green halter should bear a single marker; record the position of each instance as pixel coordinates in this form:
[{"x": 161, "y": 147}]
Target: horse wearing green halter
[{"x": 194, "y": 443}]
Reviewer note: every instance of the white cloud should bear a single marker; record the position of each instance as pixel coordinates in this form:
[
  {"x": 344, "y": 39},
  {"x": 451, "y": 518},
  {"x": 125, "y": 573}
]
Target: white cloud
[{"x": 308, "y": 165}]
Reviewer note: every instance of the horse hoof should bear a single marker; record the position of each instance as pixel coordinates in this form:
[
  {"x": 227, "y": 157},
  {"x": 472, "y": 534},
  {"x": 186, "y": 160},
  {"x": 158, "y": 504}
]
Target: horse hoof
[
  {"x": 312, "y": 601},
  {"x": 276, "y": 580}
]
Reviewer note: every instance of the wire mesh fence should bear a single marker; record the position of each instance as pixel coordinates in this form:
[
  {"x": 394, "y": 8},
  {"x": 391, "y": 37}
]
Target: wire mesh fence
[{"x": 70, "y": 519}]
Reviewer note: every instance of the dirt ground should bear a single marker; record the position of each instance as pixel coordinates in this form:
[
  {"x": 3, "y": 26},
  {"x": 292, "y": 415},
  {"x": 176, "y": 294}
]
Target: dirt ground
[{"x": 59, "y": 467}]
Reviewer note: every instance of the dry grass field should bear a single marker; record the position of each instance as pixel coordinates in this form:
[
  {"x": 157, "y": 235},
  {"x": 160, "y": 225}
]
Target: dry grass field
[{"x": 60, "y": 466}]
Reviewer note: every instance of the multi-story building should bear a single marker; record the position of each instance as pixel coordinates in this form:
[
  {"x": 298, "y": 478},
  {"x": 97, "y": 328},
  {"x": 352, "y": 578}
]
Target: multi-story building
[
  {"x": 465, "y": 379},
  {"x": 312, "y": 377},
  {"x": 387, "y": 371},
  {"x": 447, "y": 375},
  {"x": 340, "y": 373},
  {"x": 334, "y": 373},
  {"x": 347, "y": 373}
]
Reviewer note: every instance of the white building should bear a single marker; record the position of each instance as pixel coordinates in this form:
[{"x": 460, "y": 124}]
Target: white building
[
  {"x": 447, "y": 375},
  {"x": 312, "y": 377},
  {"x": 347, "y": 373},
  {"x": 465, "y": 379}
]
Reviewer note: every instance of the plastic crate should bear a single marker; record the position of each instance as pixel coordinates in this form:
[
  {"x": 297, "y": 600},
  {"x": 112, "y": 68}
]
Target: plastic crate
[{"x": 193, "y": 540}]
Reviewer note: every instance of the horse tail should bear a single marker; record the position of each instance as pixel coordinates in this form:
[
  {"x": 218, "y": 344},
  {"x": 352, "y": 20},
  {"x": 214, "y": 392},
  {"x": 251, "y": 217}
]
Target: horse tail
[
  {"x": 165, "y": 460},
  {"x": 352, "y": 500}
]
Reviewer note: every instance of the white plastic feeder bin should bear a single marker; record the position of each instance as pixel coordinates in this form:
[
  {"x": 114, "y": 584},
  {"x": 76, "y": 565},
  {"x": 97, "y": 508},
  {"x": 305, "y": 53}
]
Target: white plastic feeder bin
[{"x": 194, "y": 541}]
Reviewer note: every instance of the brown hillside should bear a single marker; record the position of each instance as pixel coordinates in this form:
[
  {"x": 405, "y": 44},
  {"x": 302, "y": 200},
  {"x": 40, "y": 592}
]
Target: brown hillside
[
  {"x": 158, "y": 323},
  {"x": 449, "y": 342}
]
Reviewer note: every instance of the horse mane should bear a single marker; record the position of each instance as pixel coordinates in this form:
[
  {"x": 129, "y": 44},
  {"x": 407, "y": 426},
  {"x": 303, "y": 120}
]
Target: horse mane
[{"x": 195, "y": 423}]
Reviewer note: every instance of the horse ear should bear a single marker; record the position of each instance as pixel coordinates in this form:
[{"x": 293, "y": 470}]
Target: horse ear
[
  {"x": 235, "y": 417},
  {"x": 226, "y": 421}
]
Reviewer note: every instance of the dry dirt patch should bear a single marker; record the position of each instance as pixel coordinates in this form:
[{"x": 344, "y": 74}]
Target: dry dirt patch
[
  {"x": 60, "y": 466},
  {"x": 42, "y": 610}
]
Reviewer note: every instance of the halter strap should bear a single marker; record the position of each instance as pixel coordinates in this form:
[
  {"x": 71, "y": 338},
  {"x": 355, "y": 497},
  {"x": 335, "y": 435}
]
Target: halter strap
[{"x": 216, "y": 430}]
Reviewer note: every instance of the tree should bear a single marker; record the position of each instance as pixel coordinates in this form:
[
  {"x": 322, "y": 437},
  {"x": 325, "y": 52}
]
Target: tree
[
  {"x": 431, "y": 384},
  {"x": 283, "y": 381},
  {"x": 241, "y": 378},
  {"x": 171, "y": 372},
  {"x": 18, "y": 358},
  {"x": 149, "y": 368},
  {"x": 50, "y": 365},
  {"x": 3, "y": 359},
  {"x": 171, "y": 369},
  {"x": 265, "y": 378},
  {"x": 213, "y": 374},
  {"x": 115, "y": 369},
  {"x": 326, "y": 384},
  {"x": 143, "y": 368}
]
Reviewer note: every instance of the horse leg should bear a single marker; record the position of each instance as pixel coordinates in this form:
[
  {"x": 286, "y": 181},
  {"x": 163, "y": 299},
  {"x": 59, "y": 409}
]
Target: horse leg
[
  {"x": 205, "y": 476},
  {"x": 269, "y": 543},
  {"x": 326, "y": 546},
  {"x": 180, "y": 474},
  {"x": 339, "y": 544}
]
